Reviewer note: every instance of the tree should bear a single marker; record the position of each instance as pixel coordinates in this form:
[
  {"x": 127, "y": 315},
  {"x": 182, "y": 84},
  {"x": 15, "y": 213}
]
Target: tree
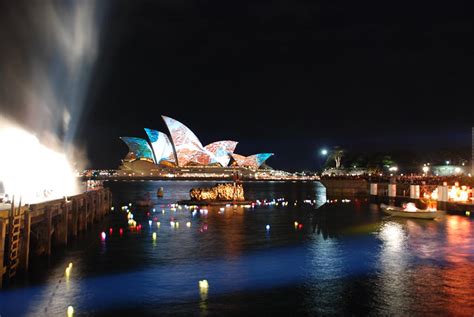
[
  {"x": 336, "y": 155},
  {"x": 379, "y": 161}
]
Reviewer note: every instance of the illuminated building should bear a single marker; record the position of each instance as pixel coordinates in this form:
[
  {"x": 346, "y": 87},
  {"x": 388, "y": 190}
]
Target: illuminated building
[
  {"x": 184, "y": 152},
  {"x": 254, "y": 161},
  {"x": 161, "y": 145},
  {"x": 138, "y": 149}
]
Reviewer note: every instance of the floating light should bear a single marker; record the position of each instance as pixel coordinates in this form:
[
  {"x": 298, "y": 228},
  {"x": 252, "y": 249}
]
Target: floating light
[
  {"x": 296, "y": 224},
  {"x": 121, "y": 231},
  {"x": 158, "y": 224},
  {"x": 300, "y": 226},
  {"x": 177, "y": 224},
  {"x": 70, "y": 311},
  {"x": 154, "y": 236},
  {"x": 150, "y": 222},
  {"x": 468, "y": 213},
  {"x": 154, "y": 209},
  {"x": 172, "y": 223},
  {"x": 68, "y": 271},
  {"x": 103, "y": 235},
  {"x": 110, "y": 231},
  {"x": 267, "y": 227},
  {"x": 188, "y": 224},
  {"x": 222, "y": 209},
  {"x": 162, "y": 211},
  {"x": 130, "y": 204},
  {"x": 203, "y": 285},
  {"x": 112, "y": 208}
]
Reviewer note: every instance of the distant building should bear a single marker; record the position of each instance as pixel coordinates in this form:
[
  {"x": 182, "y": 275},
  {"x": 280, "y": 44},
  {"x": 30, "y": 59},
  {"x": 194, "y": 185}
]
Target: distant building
[
  {"x": 448, "y": 170},
  {"x": 184, "y": 151}
]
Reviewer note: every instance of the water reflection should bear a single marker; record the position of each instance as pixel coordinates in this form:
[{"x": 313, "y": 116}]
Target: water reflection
[
  {"x": 428, "y": 261},
  {"x": 203, "y": 290},
  {"x": 334, "y": 220},
  {"x": 393, "y": 258}
]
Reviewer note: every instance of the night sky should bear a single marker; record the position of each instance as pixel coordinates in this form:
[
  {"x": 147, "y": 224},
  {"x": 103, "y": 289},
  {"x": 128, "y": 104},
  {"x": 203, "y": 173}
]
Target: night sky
[{"x": 287, "y": 77}]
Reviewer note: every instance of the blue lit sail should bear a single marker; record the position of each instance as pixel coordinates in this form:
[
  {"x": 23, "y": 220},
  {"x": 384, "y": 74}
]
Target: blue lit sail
[{"x": 138, "y": 148}]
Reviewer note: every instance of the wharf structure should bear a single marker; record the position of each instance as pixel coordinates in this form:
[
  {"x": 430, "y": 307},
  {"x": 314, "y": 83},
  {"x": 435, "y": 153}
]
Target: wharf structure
[
  {"x": 38, "y": 227},
  {"x": 396, "y": 193}
]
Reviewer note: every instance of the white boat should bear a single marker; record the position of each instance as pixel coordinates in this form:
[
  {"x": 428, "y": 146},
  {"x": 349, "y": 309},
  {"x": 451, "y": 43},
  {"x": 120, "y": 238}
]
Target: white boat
[{"x": 411, "y": 212}]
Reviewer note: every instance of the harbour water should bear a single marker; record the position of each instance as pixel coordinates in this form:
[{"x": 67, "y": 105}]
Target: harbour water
[{"x": 314, "y": 258}]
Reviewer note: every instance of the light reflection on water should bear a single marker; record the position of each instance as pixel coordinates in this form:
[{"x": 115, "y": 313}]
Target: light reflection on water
[{"x": 347, "y": 258}]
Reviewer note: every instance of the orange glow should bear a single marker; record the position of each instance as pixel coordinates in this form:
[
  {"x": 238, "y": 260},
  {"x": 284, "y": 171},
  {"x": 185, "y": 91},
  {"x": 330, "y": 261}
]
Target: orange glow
[{"x": 455, "y": 193}]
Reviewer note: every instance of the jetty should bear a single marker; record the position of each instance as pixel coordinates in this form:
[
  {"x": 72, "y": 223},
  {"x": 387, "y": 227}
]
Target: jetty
[
  {"x": 38, "y": 227},
  {"x": 394, "y": 193}
]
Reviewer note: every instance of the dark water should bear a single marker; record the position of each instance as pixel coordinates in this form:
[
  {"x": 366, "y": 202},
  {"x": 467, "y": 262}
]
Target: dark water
[{"x": 347, "y": 259}]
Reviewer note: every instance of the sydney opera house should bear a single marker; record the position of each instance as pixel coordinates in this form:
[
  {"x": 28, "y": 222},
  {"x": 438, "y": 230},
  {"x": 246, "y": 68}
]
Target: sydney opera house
[{"x": 184, "y": 153}]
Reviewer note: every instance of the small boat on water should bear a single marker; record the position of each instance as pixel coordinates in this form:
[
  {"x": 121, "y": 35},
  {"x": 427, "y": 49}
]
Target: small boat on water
[
  {"x": 410, "y": 211},
  {"x": 160, "y": 192}
]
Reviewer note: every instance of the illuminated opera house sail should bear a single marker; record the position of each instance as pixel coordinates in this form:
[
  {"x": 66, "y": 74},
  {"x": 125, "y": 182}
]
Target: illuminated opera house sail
[{"x": 183, "y": 149}]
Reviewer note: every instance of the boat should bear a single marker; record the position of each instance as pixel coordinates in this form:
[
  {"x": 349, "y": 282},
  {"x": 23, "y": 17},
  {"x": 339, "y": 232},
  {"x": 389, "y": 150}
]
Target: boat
[
  {"x": 160, "y": 192},
  {"x": 410, "y": 211}
]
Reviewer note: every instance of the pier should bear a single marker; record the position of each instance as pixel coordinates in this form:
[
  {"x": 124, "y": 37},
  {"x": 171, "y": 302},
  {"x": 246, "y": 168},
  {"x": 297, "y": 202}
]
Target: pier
[
  {"x": 36, "y": 228},
  {"x": 394, "y": 193}
]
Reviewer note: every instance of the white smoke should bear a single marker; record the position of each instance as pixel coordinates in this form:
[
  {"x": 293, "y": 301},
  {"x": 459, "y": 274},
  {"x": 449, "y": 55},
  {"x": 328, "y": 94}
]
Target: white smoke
[{"x": 47, "y": 52}]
